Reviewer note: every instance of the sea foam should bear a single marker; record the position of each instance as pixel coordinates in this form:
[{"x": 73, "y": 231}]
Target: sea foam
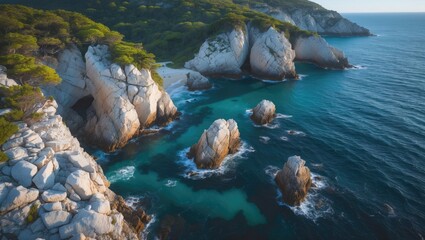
[{"x": 123, "y": 174}]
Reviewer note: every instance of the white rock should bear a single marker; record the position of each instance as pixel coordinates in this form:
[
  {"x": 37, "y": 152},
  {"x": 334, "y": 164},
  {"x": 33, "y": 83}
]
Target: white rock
[
  {"x": 317, "y": 50},
  {"x": 89, "y": 223},
  {"x": 23, "y": 172},
  {"x": 18, "y": 197},
  {"x": 81, "y": 183},
  {"x": 45, "y": 178},
  {"x": 56, "y": 219},
  {"x": 272, "y": 56},
  {"x": 264, "y": 112},
  {"x": 81, "y": 161},
  {"x": 54, "y": 206},
  {"x": 225, "y": 54},
  {"x": 53, "y": 196},
  {"x": 195, "y": 81},
  {"x": 16, "y": 153},
  {"x": 12, "y": 143}
]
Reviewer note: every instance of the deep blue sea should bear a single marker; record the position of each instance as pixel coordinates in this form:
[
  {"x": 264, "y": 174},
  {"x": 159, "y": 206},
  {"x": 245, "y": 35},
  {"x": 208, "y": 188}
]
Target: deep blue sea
[{"x": 361, "y": 132}]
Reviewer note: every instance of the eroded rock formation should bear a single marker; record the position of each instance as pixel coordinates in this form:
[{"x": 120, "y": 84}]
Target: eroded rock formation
[
  {"x": 264, "y": 112},
  {"x": 294, "y": 181},
  {"x": 271, "y": 54},
  {"x": 51, "y": 188},
  {"x": 195, "y": 81},
  {"x": 119, "y": 101},
  {"x": 221, "y": 138}
]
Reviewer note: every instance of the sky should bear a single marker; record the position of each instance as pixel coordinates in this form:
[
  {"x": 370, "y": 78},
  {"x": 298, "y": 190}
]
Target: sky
[{"x": 373, "y": 5}]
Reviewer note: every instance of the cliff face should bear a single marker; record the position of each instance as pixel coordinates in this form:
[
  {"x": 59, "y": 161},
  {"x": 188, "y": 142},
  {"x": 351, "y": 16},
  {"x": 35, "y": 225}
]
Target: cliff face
[
  {"x": 119, "y": 102},
  {"x": 52, "y": 189},
  {"x": 271, "y": 54},
  {"x": 317, "y": 19},
  {"x": 224, "y": 54}
]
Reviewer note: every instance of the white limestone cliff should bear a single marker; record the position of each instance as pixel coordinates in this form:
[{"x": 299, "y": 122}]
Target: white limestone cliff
[
  {"x": 318, "y": 20},
  {"x": 51, "y": 188},
  {"x": 272, "y": 56},
  {"x": 316, "y": 50},
  {"x": 223, "y": 54}
]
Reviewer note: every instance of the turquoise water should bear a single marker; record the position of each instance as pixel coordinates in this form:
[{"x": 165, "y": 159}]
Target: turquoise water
[{"x": 361, "y": 131}]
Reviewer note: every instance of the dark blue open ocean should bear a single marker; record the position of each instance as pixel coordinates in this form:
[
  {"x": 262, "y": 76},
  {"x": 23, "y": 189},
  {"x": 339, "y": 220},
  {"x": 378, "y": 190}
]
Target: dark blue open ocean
[{"x": 361, "y": 132}]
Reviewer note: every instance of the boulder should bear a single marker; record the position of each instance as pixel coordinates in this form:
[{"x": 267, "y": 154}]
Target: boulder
[
  {"x": 53, "y": 206},
  {"x": 137, "y": 218},
  {"x": 316, "y": 50},
  {"x": 264, "y": 112},
  {"x": 272, "y": 56},
  {"x": 81, "y": 183},
  {"x": 53, "y": 196},
  {"x": 56, "y": 219},
  {"x": 45, "y": 178},
  {"x": 294, "y": 181},
  {"x": 89, "y": 223},
  {"x": 17, "y": 197},
  {"x": 195, "y": 81},
  {"x": 4, "y": 81},
  {"x": 221, "y": 138},
  {"x": 23, "y": 172},
  {"x": 16, "y": 153},
  {"x": 224, "y": 54}
]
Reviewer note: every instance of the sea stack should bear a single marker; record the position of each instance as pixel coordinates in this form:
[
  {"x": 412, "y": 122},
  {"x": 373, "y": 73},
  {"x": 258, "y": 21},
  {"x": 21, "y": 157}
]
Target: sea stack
[
  {"x": 264, "y": 112},
  {"x": 221, "y": 138},
  {"x": 294, "y": 181},
  {"x": 195, "y": 81}
]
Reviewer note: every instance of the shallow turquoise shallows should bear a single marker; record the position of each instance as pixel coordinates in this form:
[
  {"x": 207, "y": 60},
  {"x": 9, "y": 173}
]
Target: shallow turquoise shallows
[{"x": 361, "y": 132}]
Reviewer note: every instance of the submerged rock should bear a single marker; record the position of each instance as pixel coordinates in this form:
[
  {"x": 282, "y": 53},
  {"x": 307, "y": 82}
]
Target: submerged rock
[
  {"x": 195, "y": 81},
  {"x": 294, "y": 181},
  {"x": 264, "y": 112},
  {"x": 221, "y": 138}
]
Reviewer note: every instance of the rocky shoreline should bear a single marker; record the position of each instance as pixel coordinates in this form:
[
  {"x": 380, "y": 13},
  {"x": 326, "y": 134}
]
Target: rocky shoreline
[{"x": 51, "y": 188}]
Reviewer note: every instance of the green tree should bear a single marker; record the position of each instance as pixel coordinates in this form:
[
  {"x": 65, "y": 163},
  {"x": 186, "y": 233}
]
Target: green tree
[
  {"x": 25, "y": 98},
  {"x": 20, "y": 43}
]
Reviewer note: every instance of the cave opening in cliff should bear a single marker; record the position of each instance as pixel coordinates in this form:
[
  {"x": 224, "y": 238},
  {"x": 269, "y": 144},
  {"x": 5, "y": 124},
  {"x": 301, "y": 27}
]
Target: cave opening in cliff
[{"x": 82, "y": 105}]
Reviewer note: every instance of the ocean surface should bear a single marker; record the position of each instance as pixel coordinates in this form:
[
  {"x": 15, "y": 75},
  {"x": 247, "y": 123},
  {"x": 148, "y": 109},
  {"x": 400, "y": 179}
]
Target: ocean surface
[{"x": 361, "y": 132}]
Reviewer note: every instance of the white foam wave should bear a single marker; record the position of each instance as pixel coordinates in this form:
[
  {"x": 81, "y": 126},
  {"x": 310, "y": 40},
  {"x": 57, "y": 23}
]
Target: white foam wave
[
  {"x": 192, "y": 172},
  {"x": 264, "y": 139},
  {"x": 273, "y": 81},
  {"x": 302, "y": 76},
  {"x": 296, "y": 133},
  {"x": 268, "y": 125},
  {"x": 148, "y": 227},
  {"x": 123, "y": 174},
  {"x": 282, "y": 116},
  {"x": 133, "y": 201},
  {"x": 315, "y": 205},
  {"x": 170, "y": 183},
  {"x": 283, "y": 138},
  {"x": 359, "y": 67}
]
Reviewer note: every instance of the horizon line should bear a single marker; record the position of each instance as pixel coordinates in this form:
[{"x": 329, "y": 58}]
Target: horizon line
[{"x": 383, "y": 12}]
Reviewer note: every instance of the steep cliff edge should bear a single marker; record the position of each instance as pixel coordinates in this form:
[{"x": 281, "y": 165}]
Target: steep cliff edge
[
  {"x": 313, "y": 18},
  {"x": 111, "y": 103},
  {"x": 52, "y": 189},
  {"x": 271, "y": 54}
]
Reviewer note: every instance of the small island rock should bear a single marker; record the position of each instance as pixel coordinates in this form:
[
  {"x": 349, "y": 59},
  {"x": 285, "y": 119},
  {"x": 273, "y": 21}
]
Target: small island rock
[
  {"x": 195, "y": 81},
  {"x": 221, "y": 138},
  {"x": 294, "y": 181},
  {"x": 264, "y": 112}
]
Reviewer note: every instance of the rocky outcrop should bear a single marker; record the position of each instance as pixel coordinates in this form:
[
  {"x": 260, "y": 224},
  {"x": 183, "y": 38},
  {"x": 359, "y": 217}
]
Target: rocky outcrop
[
  {"x": 316, "y": 19},
  {"x": 316, "y": 50},
  {"x": 125, "y": 100},
  {"x": 221, "y": 138},
  {"x": 224, "y": 54},
  {"x": 51, "y": 188},
  {"x": 264, "y": 112},
  {"x": 271, "y": 54},
  {"x": 294, "y": 181},
  {"x": 195, "y": 81},
  {"x": 4, "y": 81}
]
